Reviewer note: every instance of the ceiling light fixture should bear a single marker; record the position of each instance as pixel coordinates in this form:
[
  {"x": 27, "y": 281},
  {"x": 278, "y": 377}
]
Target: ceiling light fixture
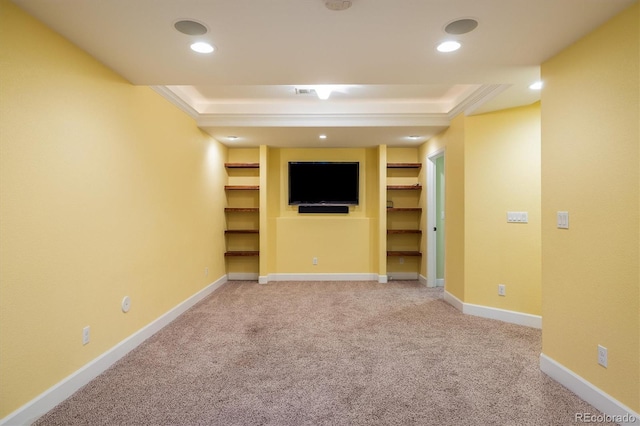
[
  {"x": 322, "y": 136},
  {"x": 414, "y": 137},
  {"x": 448, "y": 46},
  {"x": 232, "y": 138},
  {"x": 202, "y": 47},
  {"x": 536, "y": 86}
]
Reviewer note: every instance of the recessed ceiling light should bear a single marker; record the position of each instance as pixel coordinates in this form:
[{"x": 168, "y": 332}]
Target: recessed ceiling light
[
  {"x": 202, "y": 47},
  {"x": 322, "y": 136},
  {"x": 414, "y": 137},
  {"x": 448, "y": 46},
  {"x": 232, "y": 138},
  {"x": 536, "y": 86}
]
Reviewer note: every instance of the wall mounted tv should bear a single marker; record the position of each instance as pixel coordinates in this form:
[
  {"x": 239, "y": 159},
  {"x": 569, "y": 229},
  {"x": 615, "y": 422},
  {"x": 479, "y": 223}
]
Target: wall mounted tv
[{"x": 324, "y": 183}]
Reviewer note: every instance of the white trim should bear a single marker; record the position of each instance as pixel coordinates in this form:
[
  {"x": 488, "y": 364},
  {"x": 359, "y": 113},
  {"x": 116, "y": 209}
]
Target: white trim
[
  {"x": 423, "y": 280},
  {"x": 402, "y": 276},
  {"x": 322, "y": 277},
  {"x": 431, "y": 216},
  {"x": 439, "y": 282},
  {"x": 322, "y": 120},
  {"x": 453, "y": 301},
  {"x": 587, "y": 391},
  {"x": 481, "y": 96},
  {"x": 512, "y": 317},
  {"x": 242, "y": 276},
  {"x": 383, "y": 279},
  {"x": 263, "y": 279},
  {"x": 62, "y": 390},
  {"x": 172, "y": 97}
]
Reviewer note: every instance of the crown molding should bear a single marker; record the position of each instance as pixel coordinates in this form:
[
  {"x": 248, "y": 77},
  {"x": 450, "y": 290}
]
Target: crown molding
[
  {"x": 321, "y": 120},
  {"x": 485, "y": 93},
  {"x": 342, "y": 119},
  {"x": 169, "y": 95}
]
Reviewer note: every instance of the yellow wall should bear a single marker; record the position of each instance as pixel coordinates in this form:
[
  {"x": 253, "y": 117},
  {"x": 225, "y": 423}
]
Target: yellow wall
[
  {"x": 590, "y": 143},
  {"x": 452, "y": 141},
  {"x": 342, "y": 243},
  {"x": 107, "y": 190},
  {"x": 502, "y": 173}
]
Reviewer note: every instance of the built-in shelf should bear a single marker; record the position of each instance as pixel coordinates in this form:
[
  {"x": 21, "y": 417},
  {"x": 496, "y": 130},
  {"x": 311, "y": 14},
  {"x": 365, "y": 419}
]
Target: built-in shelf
[
  {"x": 404, "y": 209},
  {"x": 404, "y": 187},
  {"x": 246, "y": 171},
  {"x": 241, "y": 231},
  {"x": 241, "y": 253},
  {"x": 404, "y": 253},
  {"x": 242, "y": 165},
  {"x": 404, "y": 231},
  {"x": 404, "y": 165},
  {"x": 241, "y": 187}
]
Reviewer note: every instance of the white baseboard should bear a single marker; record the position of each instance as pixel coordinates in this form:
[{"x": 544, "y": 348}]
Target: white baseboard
[
  {"x": 263, "y": 279},
  {"x": 53, "y": 396},
  {"x": 322, "y": 277},
  {"x": 513, "y": 317},
  {"x": 423, "y": 280},
  {"x": 439, "y": 282},
  {"x": 453, "y": 301},
  {"x": 601, "y": 400},
  {"x": 383, "y": 279},
  {"x": 395, "y": 276},
  {"x": 242, "y": 276}
]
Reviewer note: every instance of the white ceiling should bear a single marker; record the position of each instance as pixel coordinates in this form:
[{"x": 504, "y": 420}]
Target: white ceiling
[{"x": 391, "y": 81}]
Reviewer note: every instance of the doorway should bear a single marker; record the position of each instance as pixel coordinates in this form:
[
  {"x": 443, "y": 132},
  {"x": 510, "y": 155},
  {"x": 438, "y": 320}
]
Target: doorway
[{"x": 435, "y": 219}]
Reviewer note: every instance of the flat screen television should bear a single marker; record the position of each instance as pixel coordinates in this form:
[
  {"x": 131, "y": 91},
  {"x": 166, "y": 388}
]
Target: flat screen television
[{"x": 324, "y": 183}]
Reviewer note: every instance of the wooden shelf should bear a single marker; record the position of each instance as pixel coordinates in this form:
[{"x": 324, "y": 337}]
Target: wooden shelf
[
  {"x": 241, "y": 187},
  {"x": 241, "y": 209},
  {"x": 404, "y": 209},
  {"x": 404, "y": 253},
  {"x": 241, "y": 253},
  {"x": 404, "y": 187},
  {"x": 241, "y": 231},
  {"x": 404, "y": 165},
  {"x": 242, "y": 165},
  {"x": 404, "y": 231}
]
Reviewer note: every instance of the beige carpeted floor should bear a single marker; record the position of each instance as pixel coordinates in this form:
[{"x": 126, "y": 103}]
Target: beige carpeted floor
[{"x": 327, "y": 353}]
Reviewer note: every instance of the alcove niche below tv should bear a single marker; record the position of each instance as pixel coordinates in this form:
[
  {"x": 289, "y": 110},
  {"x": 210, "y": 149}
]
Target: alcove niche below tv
[{"x": 324, "y": 186}]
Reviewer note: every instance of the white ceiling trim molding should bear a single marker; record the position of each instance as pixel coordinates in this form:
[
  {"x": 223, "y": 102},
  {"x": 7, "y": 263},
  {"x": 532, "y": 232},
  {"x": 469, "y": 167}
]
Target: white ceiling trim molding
[
  {"x": 169, "y": 95},
  {"x": 485, "y": 93},
  {"x": 321, "y": 120}
]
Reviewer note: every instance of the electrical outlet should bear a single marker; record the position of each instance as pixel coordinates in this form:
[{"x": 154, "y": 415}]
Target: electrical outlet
[
  {"x": 315, "y": 261},
  {"x": 602, "y": 356},
  {"x": 502, "y": 290},
  {"x": 85, "y": 335}
]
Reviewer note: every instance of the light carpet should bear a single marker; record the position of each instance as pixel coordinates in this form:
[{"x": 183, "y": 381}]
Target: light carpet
[{"x": 327, "y": 353}]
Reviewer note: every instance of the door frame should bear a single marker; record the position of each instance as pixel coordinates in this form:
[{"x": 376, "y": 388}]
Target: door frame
[{"x": 431, "y": 216}]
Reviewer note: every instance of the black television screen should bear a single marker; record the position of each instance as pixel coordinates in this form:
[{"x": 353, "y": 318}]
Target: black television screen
[{"x": 323, "y": 183}]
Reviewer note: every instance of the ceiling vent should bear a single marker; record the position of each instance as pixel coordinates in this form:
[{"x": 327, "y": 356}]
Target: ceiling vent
[
  {"x": 305, "y": 91},
  {"x": 337, "y": 4}
]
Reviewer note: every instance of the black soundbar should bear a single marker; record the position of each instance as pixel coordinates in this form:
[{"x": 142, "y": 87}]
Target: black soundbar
[{"x": 323, "y": 209}]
